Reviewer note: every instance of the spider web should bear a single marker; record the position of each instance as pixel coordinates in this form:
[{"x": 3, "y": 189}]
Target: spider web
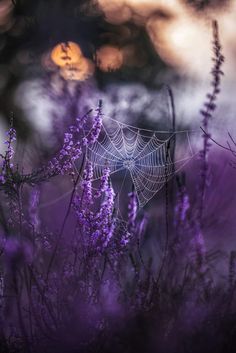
[{"x": 147, "y": 156}]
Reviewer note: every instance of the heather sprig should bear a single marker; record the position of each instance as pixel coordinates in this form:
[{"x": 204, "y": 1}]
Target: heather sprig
[
  {"x": 95, "y": 130},
  {"x": 75, "y": 140},
  {"x": 105, "y": 219},
  {"x": 11, "y": 138},
  {"x": 207, "y": 113},
  {"x": 87, "y": 184},
  {"x": 99, "y": 225},
  {"x": 69, "y": 153},
  {"x": 104, "y": 182},
  {"x": 133, "y": 226},
  {"x": 6, "y": 159}
]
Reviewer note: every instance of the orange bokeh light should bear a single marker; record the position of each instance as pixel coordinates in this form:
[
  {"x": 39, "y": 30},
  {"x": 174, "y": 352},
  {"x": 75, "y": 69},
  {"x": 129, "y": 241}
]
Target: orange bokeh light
[
  {"x": 67, "y": 53},
  {"x": 109, "y": 58}
]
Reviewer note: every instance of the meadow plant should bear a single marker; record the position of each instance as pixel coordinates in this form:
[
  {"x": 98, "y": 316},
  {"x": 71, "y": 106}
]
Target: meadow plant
[{"x": 207, "y": 114}]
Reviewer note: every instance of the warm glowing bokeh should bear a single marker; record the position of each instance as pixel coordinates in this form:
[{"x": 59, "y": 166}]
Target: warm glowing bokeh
[
  {"x": 69, "y": 57},
  {"x": 138, "y": 11},
  {"x": 180, "y": 35},
  {"x": 109, "y": 58},
  {"x": 66, "y": 54},
  {"x": 115, "y": 11},
  {"x": 80, "y": 71},
  {"x": 6, "y": 19},
  {"x": 181, "y": 44}
]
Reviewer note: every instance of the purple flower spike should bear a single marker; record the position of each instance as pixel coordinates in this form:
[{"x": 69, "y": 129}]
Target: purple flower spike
[
  {"x": 207, "y": 113},
  {"x": 96, "y": 129},
  {"x": 104, "y": 182},
  {"x": 87, "y": 183},
  {"x": 105, "y": 220},
  {"x": 6, "y": 163}
]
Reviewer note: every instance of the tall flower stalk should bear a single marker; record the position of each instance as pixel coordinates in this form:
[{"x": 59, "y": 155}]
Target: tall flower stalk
[{"x": 207, "y": 114}]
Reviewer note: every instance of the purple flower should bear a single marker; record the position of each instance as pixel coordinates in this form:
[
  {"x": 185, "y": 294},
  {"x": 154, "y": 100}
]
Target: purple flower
[
  {"x": 125, "y": 239},
  {"x": 74, "y": 142},
  {"x": 87, "y": 184},
  {"x": 85, "y": 141},
  {"x": 132, "y": 224},
  {"x": 132, "y": 211},
  {"x": 104, "y": 218},
  {"x": 103, "y": 222},
  {"x": 104, "y": 182},
  {"x": 69, "y": 153}
]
